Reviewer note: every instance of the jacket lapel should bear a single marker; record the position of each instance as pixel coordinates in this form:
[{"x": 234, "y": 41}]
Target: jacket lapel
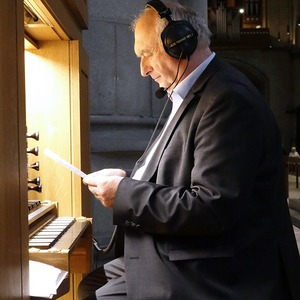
[
  {"x": 152, "y": 166},
  {"x": 195, "y": 92}
]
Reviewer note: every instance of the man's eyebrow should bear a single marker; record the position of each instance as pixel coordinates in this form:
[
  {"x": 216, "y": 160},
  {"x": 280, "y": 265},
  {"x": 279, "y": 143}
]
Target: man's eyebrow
[{"x": 141, "y": 53}]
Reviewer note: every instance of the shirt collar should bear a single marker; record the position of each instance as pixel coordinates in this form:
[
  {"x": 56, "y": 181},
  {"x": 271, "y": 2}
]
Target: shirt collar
[{"x": 185, "y": 85}]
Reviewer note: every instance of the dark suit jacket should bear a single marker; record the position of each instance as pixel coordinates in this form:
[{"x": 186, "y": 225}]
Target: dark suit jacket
[{"x": 209, "y": 219}]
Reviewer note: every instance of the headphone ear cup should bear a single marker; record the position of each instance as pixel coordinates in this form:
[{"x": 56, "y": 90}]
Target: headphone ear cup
[{"x": 179, "y": 39}]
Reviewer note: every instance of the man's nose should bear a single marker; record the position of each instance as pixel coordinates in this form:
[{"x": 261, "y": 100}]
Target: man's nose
[{"x": 145, "y": 67}]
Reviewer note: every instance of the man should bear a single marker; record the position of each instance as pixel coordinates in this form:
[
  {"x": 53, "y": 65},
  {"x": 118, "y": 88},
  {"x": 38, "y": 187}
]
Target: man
[{"x": 201, "y": 219}]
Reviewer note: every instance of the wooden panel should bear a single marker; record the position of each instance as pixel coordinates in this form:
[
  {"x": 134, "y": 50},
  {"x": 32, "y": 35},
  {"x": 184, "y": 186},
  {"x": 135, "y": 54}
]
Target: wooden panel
[
  {"x": 48, "y": 111},
  {"x": 61, "y": 14},
  {"x": 81, "y": 260},
  {"x": 85, "y": 131},
  {"x": 58, "y": 107},
  {"x": 80, "y": 130},
  {"x": 58, "y": 260},
  {"x": 46, "y": 27},
  {"x": 13, "y": 193},
  {"x": 75, "y": 124}
]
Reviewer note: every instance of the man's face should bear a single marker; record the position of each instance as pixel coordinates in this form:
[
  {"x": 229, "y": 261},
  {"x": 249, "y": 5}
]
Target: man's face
[{"x": 154, "y": 61}]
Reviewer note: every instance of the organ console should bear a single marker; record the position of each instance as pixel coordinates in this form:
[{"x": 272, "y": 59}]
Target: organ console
[
  {"x": 44, "y": 85},
  {"x": 57, "y": 118},
  {"x": 64, "y": 242},
  {"x": 56, "y": 239}
]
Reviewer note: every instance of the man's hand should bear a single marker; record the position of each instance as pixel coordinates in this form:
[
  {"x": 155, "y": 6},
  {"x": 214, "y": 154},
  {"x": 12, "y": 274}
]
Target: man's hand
[{"x": 104, "y": 184}]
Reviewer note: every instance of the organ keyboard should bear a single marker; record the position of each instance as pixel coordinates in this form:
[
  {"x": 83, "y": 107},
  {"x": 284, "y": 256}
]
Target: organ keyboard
[
  {"x": 63, "y": 242},
  {"x": 51, "y": 233}
]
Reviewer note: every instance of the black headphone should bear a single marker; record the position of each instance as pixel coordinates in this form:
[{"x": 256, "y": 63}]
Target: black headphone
[{"x": 179, "y": 38}]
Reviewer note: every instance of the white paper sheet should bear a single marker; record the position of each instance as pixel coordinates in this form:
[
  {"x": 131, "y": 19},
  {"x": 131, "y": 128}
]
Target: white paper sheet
[
  {"x": 44, "y": 279},
  {"x": 64, "y": 163}
]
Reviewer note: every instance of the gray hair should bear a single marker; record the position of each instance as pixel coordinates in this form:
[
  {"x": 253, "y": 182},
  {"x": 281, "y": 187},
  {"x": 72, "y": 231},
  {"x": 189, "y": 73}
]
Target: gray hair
[{"x": 180, "y": 12}]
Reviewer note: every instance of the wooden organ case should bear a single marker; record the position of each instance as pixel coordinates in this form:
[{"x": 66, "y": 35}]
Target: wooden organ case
[{"x": 45, "y": 91}]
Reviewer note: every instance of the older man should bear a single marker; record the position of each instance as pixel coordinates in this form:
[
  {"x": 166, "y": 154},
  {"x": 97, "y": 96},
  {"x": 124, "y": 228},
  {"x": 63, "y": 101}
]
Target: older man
[{"x": 201, "y": 219}]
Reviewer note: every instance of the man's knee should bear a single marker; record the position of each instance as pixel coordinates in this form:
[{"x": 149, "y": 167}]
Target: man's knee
[{"x": 90, "y": 283}]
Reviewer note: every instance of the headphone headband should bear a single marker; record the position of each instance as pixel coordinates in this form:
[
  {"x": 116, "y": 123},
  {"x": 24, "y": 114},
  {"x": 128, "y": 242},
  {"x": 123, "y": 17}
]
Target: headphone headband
[
  {"x": 162, "y": 10},
  {"x": 179, "y": 38}
]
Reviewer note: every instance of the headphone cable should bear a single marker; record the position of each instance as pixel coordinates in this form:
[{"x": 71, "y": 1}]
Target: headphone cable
[{"x": 169, "y": 98}]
